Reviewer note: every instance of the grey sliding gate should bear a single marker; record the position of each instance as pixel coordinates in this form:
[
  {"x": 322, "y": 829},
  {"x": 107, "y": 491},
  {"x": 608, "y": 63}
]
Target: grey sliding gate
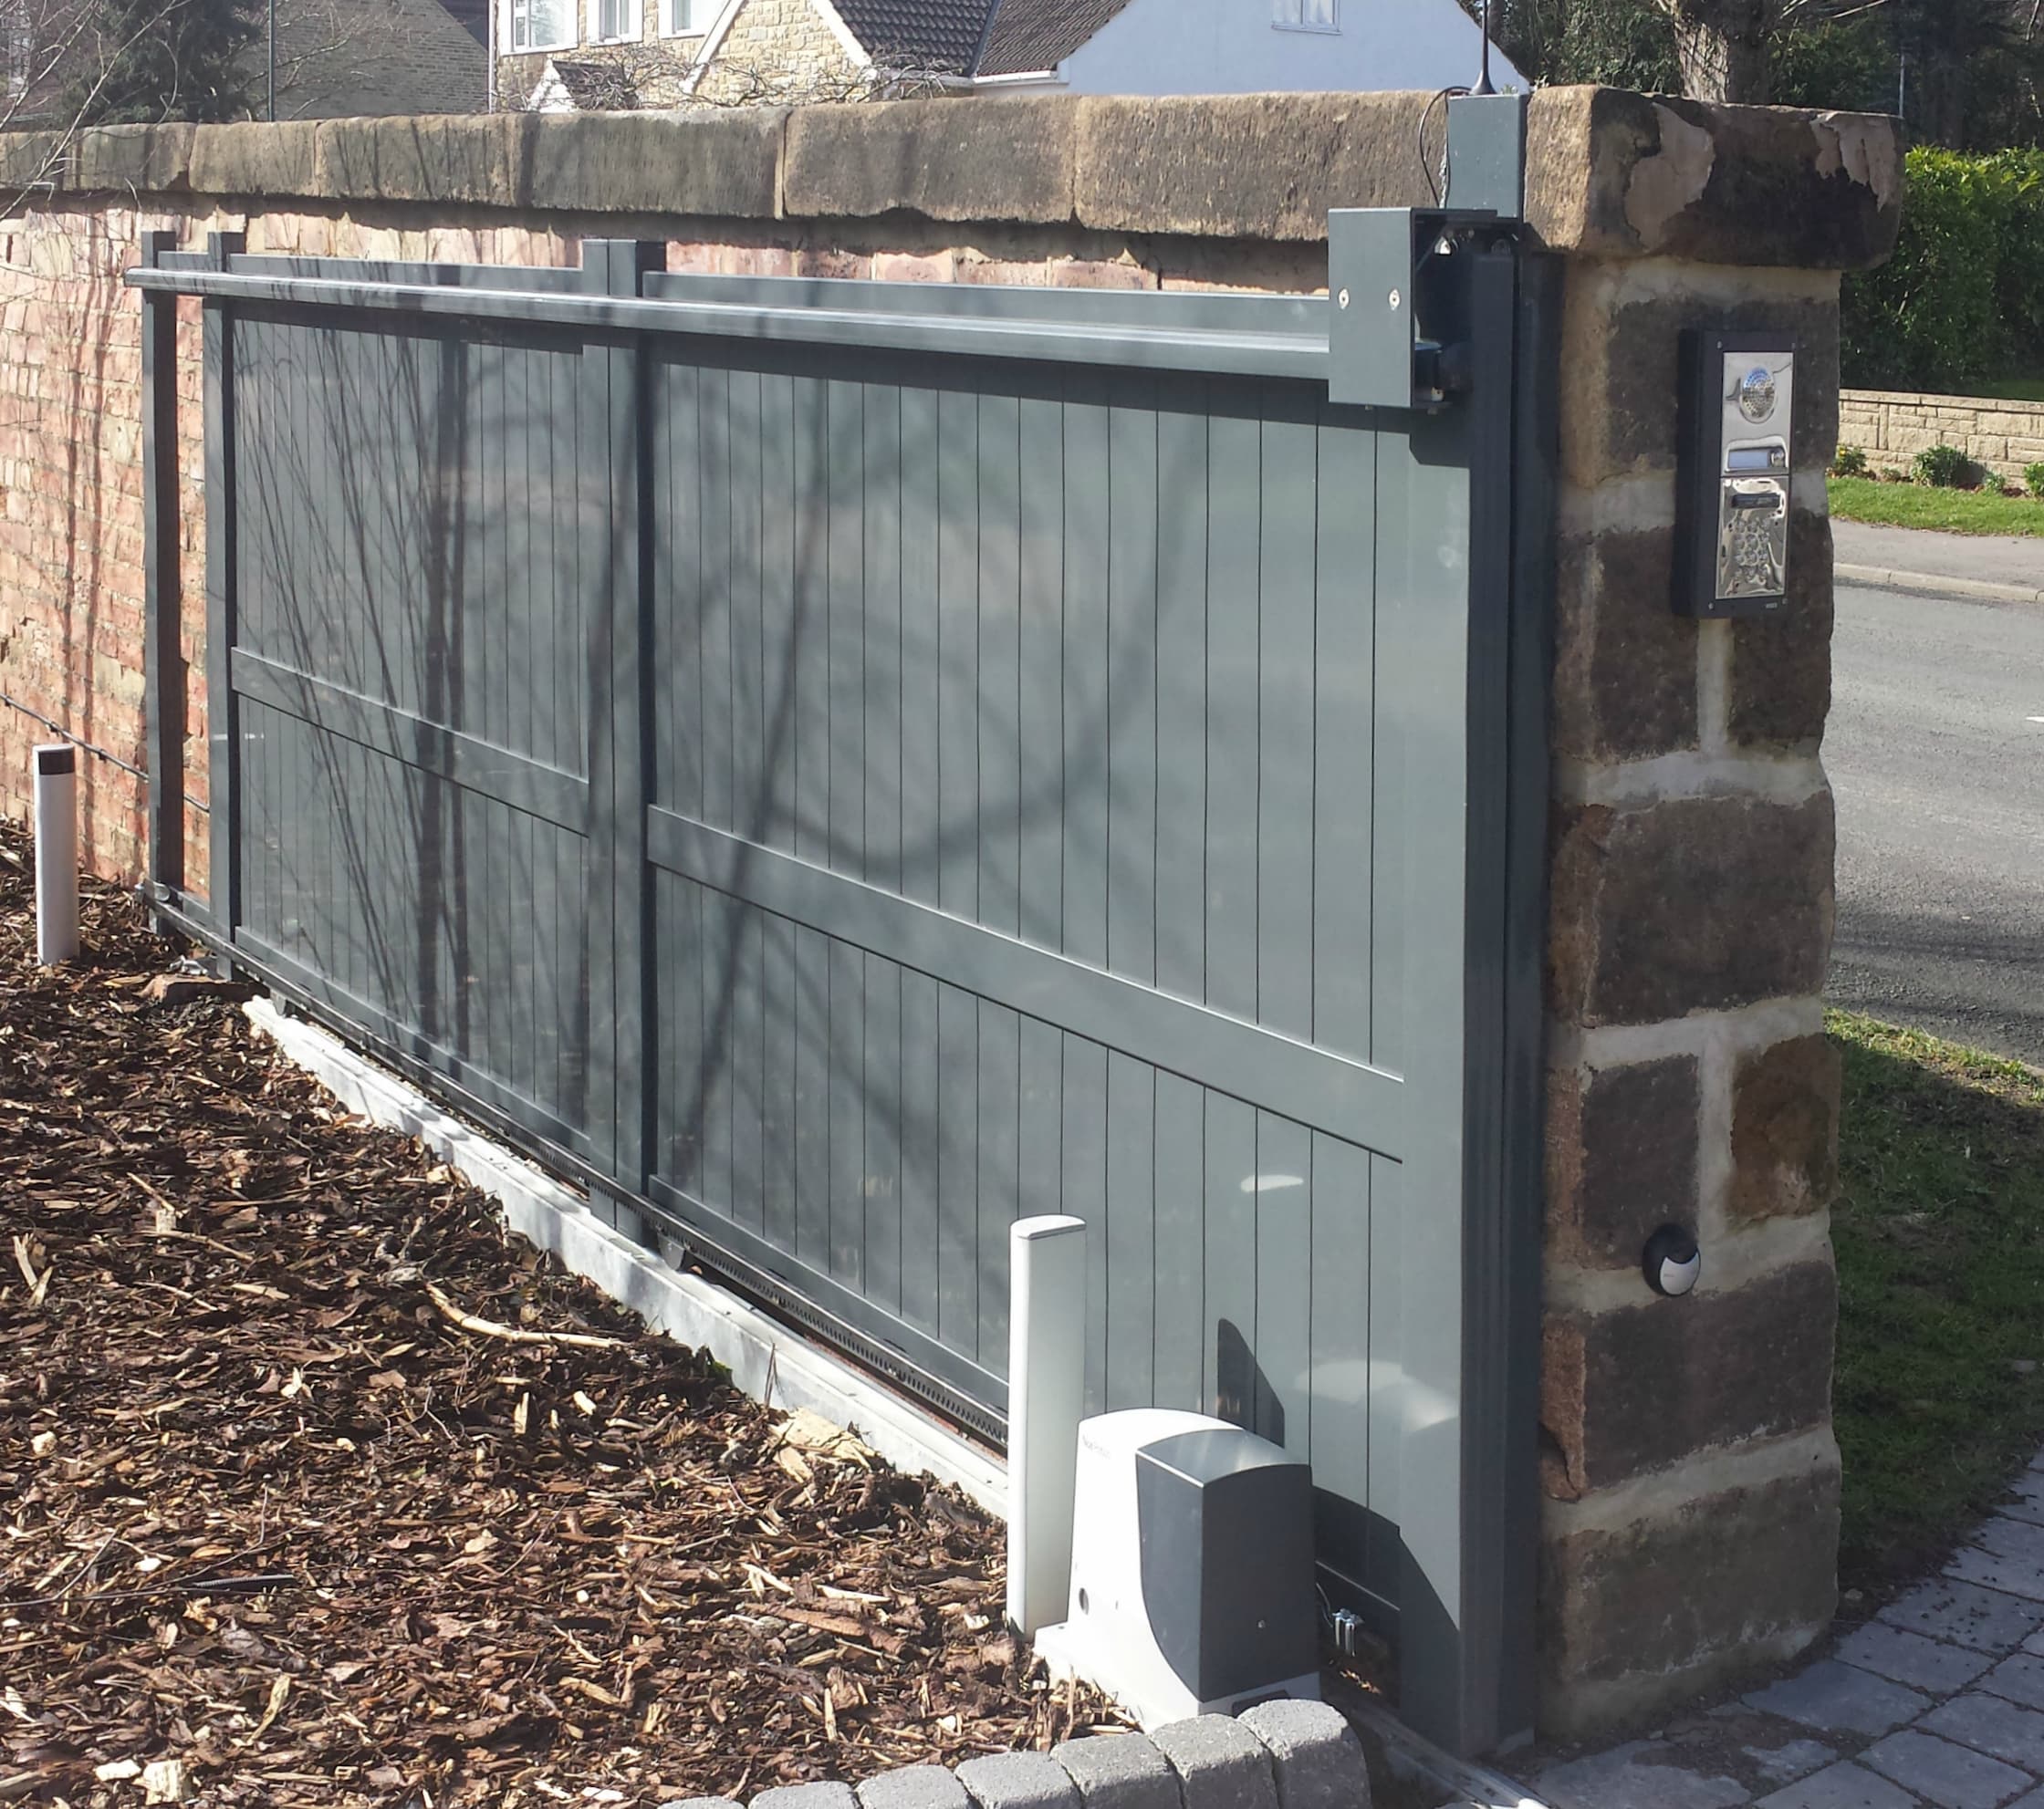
[{"x": 838, "y": 766}]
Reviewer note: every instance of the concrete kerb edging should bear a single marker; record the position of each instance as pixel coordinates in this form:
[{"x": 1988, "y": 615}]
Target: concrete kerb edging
[
  {"x": 1931, "y": 583},
  {"x": 767, "y": 1361}
]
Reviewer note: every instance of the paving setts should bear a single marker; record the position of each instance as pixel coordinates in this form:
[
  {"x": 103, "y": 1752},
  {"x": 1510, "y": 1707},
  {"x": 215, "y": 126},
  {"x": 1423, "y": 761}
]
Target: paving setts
[
  {"x": 1938, "y": 1702},
  {"x": 1280, "y": 1755}
]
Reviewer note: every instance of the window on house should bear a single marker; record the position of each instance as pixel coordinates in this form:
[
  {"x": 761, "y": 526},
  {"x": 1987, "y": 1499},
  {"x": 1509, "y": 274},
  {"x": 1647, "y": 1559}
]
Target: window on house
[
  {"x": 685, "y": 17},
  {"x": 1305, "y": 14},
  {"x": 613, "y": 21},
  {"x": 542, "y": 24}
]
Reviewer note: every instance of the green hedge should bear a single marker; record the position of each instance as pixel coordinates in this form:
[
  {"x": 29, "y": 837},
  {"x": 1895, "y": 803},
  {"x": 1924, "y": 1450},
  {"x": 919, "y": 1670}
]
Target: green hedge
[{"x": 1962, "y": 298}]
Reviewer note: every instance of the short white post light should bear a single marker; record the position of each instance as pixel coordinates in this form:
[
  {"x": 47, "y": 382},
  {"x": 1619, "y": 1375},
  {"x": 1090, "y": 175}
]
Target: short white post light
[{"x": 56, "y": 852}]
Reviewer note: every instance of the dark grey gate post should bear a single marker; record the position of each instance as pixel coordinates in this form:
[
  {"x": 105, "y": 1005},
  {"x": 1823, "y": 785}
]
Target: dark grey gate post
[
  {"x": 223, "y": 712},
  {"x": 164, "y": 675},
  {"x": 620, "y": 915}
]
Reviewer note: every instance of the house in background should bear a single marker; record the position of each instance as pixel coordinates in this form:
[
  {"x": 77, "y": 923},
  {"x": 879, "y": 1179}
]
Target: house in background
[{"x": 566, "y": 55}]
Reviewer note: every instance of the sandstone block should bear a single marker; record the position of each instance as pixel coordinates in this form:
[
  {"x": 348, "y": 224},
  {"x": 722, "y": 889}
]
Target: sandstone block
[
  {"x": 483, "y": 160},
  {"x": 1688, "y": 905},
  {"x": 141, "y": 160},
  {"x": 1622, "y": 342},
  {"x": 1254, "y": 166},
  {"x": 1636, "y": 1618},
  {"x": 1780, "y": 691},
  {"x": 1011, "y": 162},
  {"x": 1621, "y": 1159},
  {"x": 1785, "y": 1108},
  {"x": 1624, "y": 663},
  {"x": 254, "y": 157},
  {"x": 726, "y": 162},
  {"x": 1638, "y": 1389}
]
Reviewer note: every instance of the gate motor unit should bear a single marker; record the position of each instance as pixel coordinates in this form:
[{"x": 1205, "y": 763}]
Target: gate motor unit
[
  {"x": 1178, "y": 1548},
  {"x": 1738, "y": 394}
]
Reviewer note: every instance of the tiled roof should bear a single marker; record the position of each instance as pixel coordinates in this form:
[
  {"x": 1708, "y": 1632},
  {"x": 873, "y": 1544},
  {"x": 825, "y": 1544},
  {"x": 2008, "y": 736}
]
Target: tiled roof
[
  {"x": 956, "y": 37},
  {"x": 922, "y": 33},
  {"x": 1030, "y": 34}
]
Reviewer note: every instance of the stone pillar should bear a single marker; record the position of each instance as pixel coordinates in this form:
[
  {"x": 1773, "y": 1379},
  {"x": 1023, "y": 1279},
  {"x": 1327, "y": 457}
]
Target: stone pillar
[{"x": 1689, "y": 1475}]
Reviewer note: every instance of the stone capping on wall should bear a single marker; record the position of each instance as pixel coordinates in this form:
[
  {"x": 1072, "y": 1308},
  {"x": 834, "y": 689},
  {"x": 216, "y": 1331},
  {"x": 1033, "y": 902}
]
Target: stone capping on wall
[
  {"x": 1609, "y": 175},
  {"x": 1278, "y": 1755},
  {"x": 1893, "y": 425}
]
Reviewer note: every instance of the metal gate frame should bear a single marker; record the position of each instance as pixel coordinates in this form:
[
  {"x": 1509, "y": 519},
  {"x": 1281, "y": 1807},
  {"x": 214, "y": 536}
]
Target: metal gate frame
[{"x": 1466, "y": 1594}]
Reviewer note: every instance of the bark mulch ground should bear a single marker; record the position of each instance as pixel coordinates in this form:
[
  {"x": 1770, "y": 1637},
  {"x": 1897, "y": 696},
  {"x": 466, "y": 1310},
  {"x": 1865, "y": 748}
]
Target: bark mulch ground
[{"x": 276, "y": 1529}]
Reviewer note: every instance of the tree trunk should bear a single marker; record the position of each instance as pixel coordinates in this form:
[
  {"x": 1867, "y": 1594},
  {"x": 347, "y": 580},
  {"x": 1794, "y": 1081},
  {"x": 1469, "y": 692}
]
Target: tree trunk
[{"x": 1723, "y": 48}]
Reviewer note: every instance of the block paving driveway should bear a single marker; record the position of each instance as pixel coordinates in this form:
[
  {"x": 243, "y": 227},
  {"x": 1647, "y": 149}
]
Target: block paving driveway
[{"x": 1939, "y": 1699}]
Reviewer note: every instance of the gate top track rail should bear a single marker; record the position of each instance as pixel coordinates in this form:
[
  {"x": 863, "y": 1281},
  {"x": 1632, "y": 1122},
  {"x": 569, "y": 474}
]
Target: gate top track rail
[{"x": 1243, "y": 336}]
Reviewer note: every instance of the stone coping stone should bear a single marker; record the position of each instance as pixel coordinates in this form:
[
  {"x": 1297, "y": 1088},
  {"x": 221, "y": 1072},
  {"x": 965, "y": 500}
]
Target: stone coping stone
[{"x": 1609, "y": 175}]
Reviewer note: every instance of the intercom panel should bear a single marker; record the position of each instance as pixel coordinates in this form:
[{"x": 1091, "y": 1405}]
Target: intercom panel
[{"x": 1734, "y": 487}]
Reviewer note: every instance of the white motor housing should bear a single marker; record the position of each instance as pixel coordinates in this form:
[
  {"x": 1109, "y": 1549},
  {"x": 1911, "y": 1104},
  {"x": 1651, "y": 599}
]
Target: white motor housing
[{"x": 1191, "y": 1569}]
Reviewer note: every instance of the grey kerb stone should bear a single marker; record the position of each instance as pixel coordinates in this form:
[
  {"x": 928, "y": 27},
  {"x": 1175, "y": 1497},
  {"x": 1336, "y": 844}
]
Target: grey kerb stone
[
  {"x": 806, "y": 1796},
  {"x": 1018, "y": 1780},
  {"x": 1118, "y": 1770},
  {"x": 1220, "y": 1764},
  {"x": 914, "y": 1787},
  {"x": 1315, "y": 1755}
]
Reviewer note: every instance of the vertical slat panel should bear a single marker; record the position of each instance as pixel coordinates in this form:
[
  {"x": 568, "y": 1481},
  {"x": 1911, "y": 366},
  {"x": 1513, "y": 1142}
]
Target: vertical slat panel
[
  {"x": 1339, "y": 1441},
  {"x": 1132, "y": 876},
  {"x": 848, "y": 1114},
  {"x": 999, "y": 664},
  {"x": 957, "y": 1132},
  {"x": 812, "y": 621},
  {"x": 750, "y": 811},
  {"x": 1284, "y": 1279},
  {"x": 1230, "y": 1323},
  {"x": 722, "y": 917},
  {"x": 715, "y": 603},
  {"x": 921, "y": 670},
  {"x": 882, "y": 638},
  {"x": 1040, "y": 654},
  {"x": 780, "y": 1127},
  {"x": 1130, "y": 1243},
  {"x": 1344, "y": 709},
  {"x": 1285, "y": 773},
  {"x": 1041, "y": 1125},
  {"x": 1087, "y": 651},
  {"x": 1085, "y": 1165},
  {"x": 747, "y": 1067},
  {"x": 1234, "y": 525},
  {"x": 776, "y": 604},
  {"x": 921, "y": 1104},
  {"x": 882, "y": 1072},
  {"x": 846, "y": 563},
  {"x": 1180, "y": 1238},
  {"x": 1181, "y": 576},
  {"x": 812, "y": 1097},
  {"x": 1387, "y": 1408},
  {"x": 956, "y": 850},
  {"x": 1000, "y": 1172},
  {"x": 679, "y": 574}
]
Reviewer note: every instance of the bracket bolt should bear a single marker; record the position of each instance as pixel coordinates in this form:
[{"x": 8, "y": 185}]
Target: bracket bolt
[
  {"x": 1397, "y": 300},
  {"x": 1342, "y": 299}
]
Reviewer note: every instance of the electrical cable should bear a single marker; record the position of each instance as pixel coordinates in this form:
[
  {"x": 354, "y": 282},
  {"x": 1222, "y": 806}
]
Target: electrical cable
[
  {"x": 1436, "y": 186},
  {"x": 93, "y": 748}
]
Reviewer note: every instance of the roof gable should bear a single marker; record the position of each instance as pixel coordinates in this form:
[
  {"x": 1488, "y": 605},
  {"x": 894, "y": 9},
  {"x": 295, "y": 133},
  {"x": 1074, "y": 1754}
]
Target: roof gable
[
  {"x": 1032, "y": 35},
  {"x": 980, "y": 37}
]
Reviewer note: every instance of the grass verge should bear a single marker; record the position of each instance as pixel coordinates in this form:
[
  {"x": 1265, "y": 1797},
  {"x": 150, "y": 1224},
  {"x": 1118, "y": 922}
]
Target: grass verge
[
  {"x": 1939, "y": 1396},
  {"x": 1918, "y": 505}
]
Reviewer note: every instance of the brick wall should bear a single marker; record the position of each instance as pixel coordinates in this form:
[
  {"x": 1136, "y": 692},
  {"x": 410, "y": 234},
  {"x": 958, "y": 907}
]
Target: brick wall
[
  {"x": 1690, "y": 1480},
  {"x": 1891, "y": 427}
]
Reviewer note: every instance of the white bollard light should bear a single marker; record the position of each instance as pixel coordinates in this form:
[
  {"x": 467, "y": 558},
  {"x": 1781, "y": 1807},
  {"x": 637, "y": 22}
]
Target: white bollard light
[
  {"x": 56, "y": 852},
  {"x": 1046, "y": 1398}
]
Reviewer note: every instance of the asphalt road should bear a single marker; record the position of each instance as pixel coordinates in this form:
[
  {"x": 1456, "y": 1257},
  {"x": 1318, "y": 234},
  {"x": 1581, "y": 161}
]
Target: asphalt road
[{"x": 1935, "y": 751}]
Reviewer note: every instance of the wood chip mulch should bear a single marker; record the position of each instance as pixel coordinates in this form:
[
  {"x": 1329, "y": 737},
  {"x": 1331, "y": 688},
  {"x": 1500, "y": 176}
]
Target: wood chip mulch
[{"x": 275, "y": 1528}]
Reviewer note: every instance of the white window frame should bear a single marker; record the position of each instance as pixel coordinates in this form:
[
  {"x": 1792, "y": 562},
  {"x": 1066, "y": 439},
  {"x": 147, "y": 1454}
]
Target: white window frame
[
  {"x": 635, "y": 26},
  {"x": 1277, "y": 23},
  {"x": 685, "y": 19},
  {"x": 520, "y": 11}
]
